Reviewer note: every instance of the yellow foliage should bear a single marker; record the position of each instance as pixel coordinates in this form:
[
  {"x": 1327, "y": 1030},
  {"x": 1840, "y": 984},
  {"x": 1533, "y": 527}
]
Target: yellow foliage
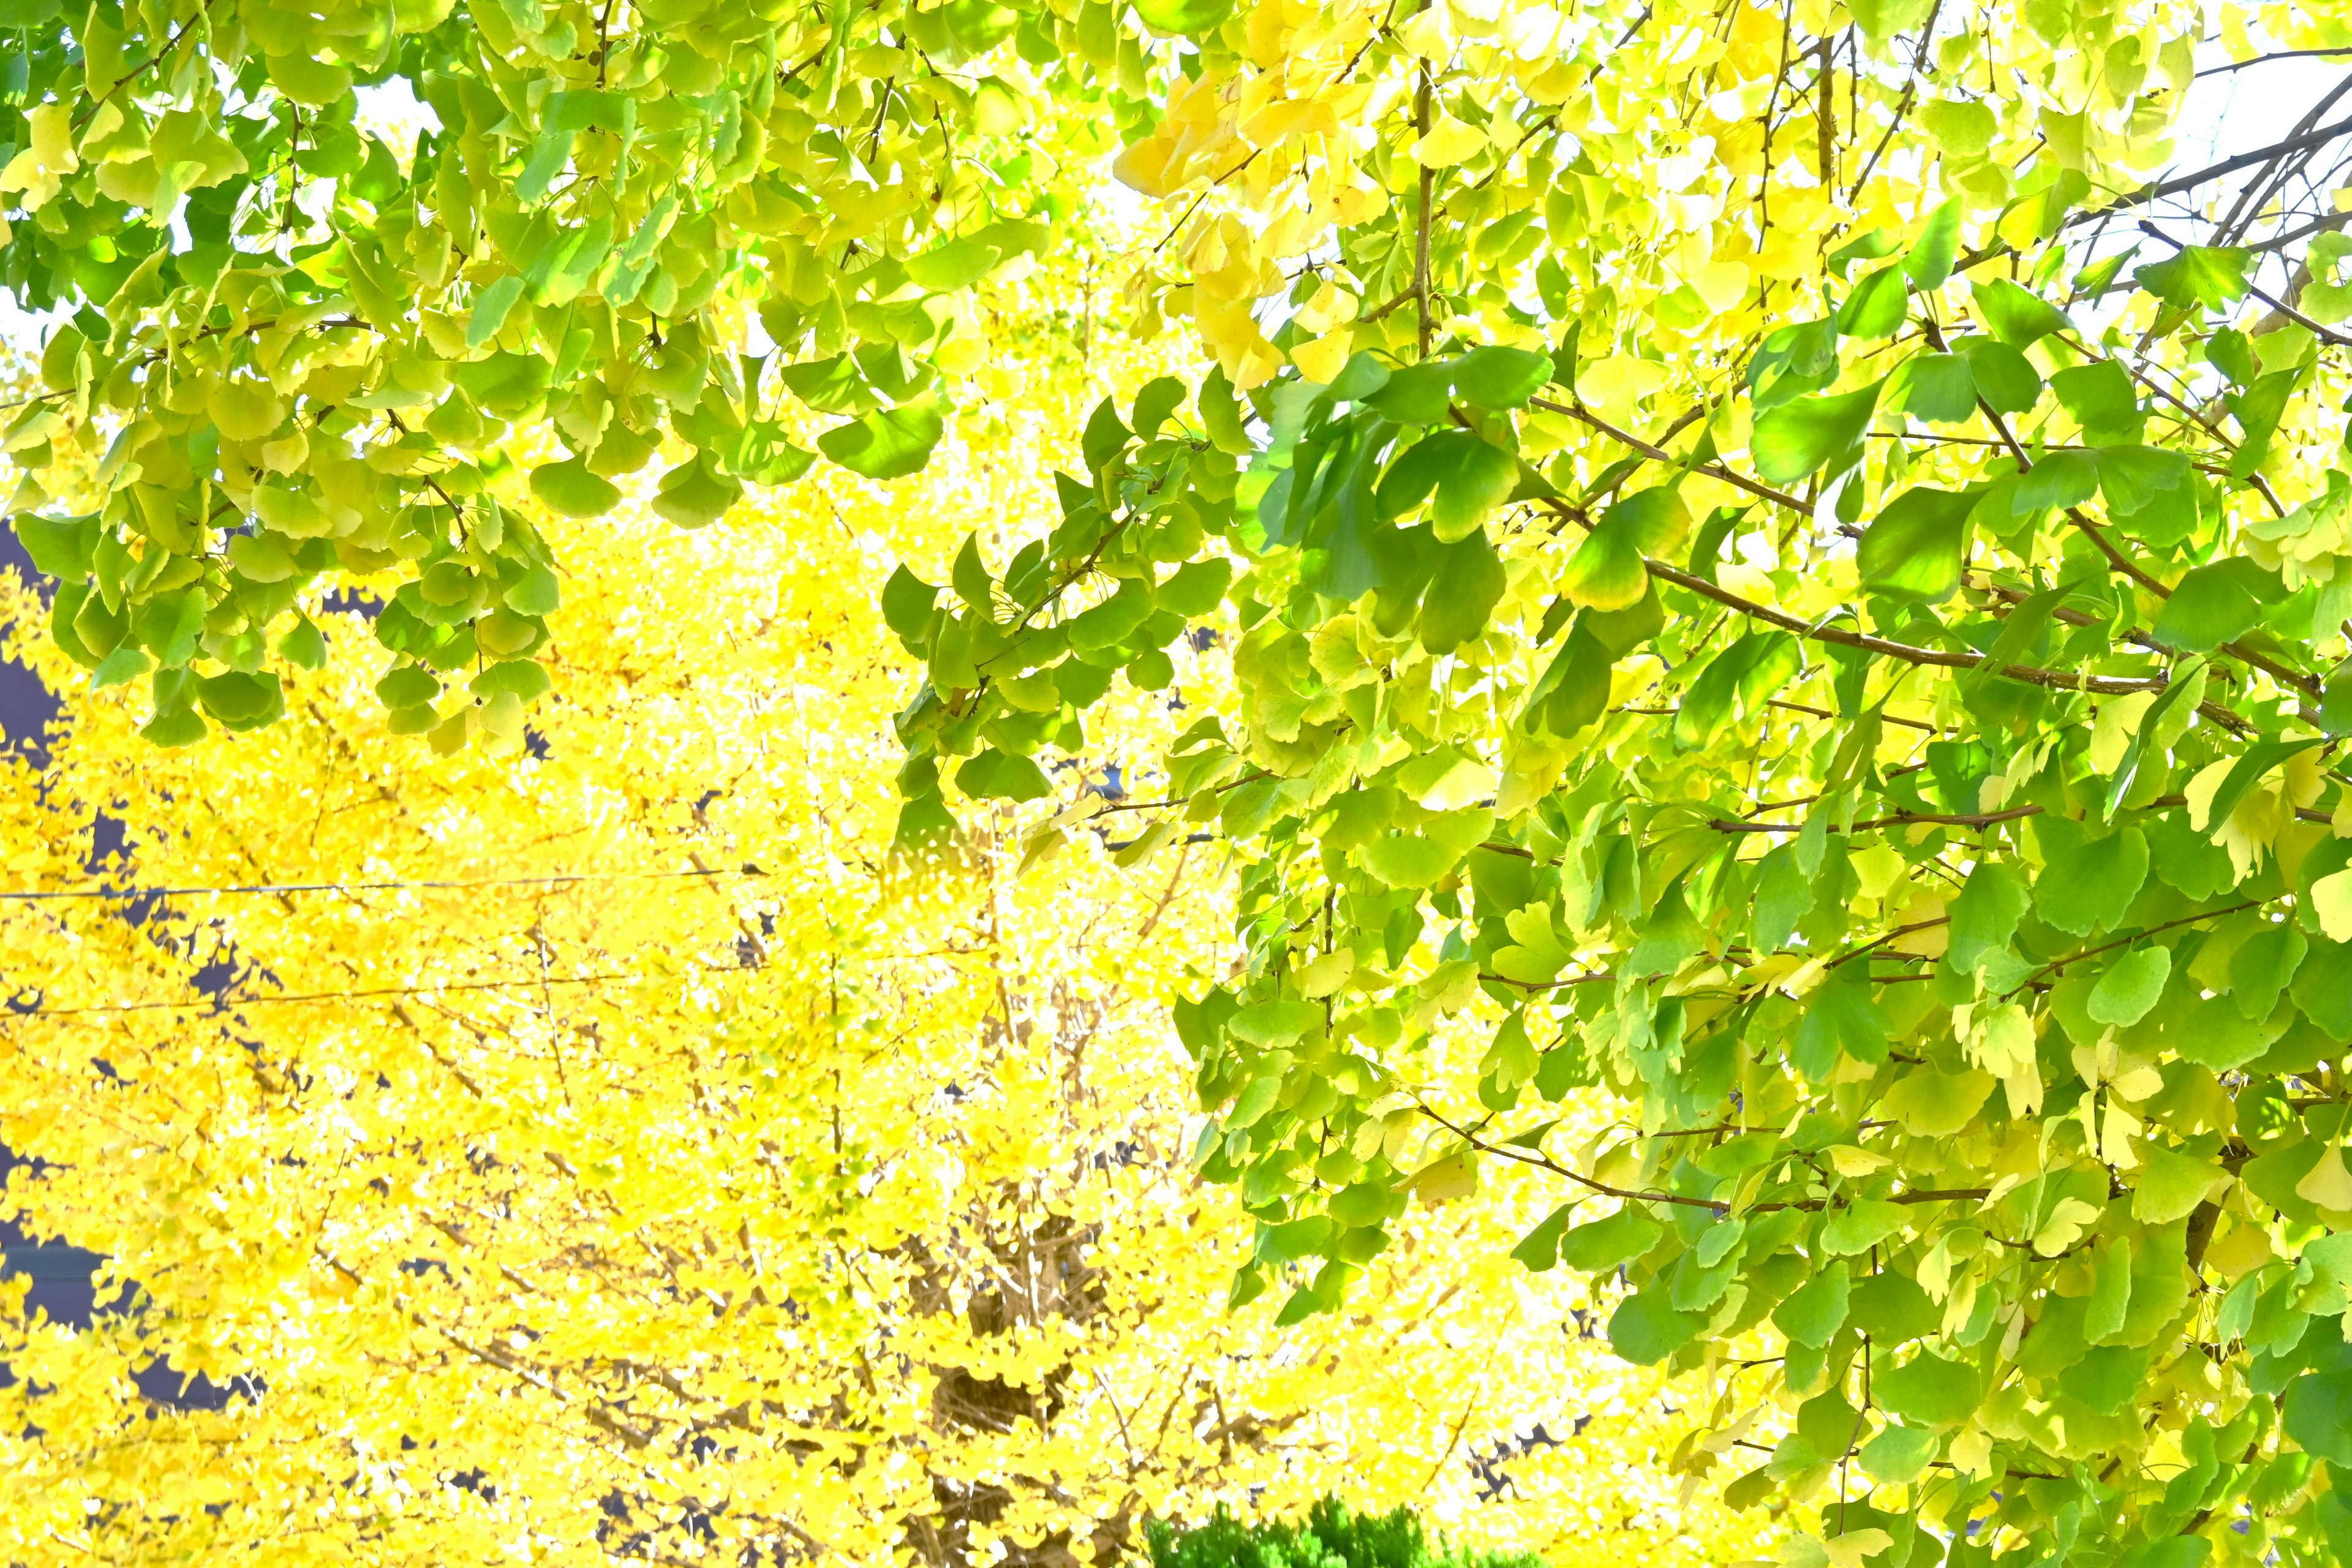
[{"x": 601, "y": 1150}]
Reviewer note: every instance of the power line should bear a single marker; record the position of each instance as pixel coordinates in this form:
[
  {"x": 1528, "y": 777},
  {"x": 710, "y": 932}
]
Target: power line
[
  {"x": 224, "y": 1004},
  {"x": 130, "y": 894}
]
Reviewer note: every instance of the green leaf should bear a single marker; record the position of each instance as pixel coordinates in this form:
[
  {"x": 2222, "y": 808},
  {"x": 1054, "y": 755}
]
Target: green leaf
[
  {"x": 1607, "y": 571},
  {"x": 2132, "y": 476},
  {"x": 239, "y": 700},
  {"x": 1196, "y": 587},
  {"x": 1496, "y": 377},
  {"x": 526, "y": 679},
  {"x": 1784, "y": 895},
  {"x": 304, "y": 645},
  {"x": 2016, "y": 316},
  {"x": 907, "y": 604},
  {"x": 1574, "y": 690},
  {"x": 1160, "y": 397},
  {"x": 124, "y": 664},
  {"x": 1792, "y": 440},
  {"x": 1930, "y": 261},
  {"x": 407, "y": 686},
  {"x": 1646, "y": 1329},
  {"x": 1105, "y": 436},
  {"x": 1539, "y": 1249},
  {"x": 2131, "y": 986},
  {"x": 570, "y": 488},
  {"x": 2177, "y": 1552},
  {"x": 1111, "y": 622},
  {"x": 61, "y": 547},
  {"x": 1839, "y": 1015},
  {"x": 1878, "y": 305},
  {"x": 535, "y": 593},
  {"x": 2323, "y": 987},
  {"x": 1185, "y": 17},
  {"x": 1893, "y": 1308},
  {"x": 953, "y": 264},
  {"x": 490, "y": 308},
  {"x": 1409, "y": 860},
  {"x": 2004, "y": 377},
  {"x": 1859, "y": 1226},
  {"x": 761, "y": 455},
  {"x": 2087, "y": 885},
  {"x": 1414, "y": 394},
  {"x": 829, "y": 385},
  {"x": 1793, "y": 360},
  {"x": 1363, "y": 375},
  {"x": 1939, "y": 388},
  {"x": 2264, "y": 965},
  {"x": 1471, "y": 477},
  {"x": 1600, "y": 1245},
  {"x": 694, "y": 494},
  {"x": 1469, "y": 584},
  {"x": 2093, "y": 281},
  {"x": 888, "y": 444},
  {"x": 2158, "y": 730},
  {"x": 1738, "y": 679},
  {"x": 173, "y": 727},
  {"x": 2170, "y": 1184},
  {"x": 504, "y": 384},
  {"x": 1869, "y": 246},
  {"x": 1899, "y": 1454},
  {"x": 2199, "y": 276},
  {"x": 2249, "y": 771},
  {"x": 1962, "y": 128},
  {"x": 993, "y": 774},
  {"x": 2317, "y": 1415},
  {"x": 1812, "y": 1314},
  {"x": 1481, "y": 480},
  {"x": 1985, "y": 915},
  {"x": 2060, "y": 479},
  {"x": 2216, "y": 603},
  {"x": 1928, "y": 1390},
  {"x": 2101, "y": 398},
  {"x": 1916, "y": 547}
]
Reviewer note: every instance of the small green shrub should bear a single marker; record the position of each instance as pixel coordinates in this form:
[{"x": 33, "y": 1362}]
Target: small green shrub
[{"x": 1330, "y": 1536}]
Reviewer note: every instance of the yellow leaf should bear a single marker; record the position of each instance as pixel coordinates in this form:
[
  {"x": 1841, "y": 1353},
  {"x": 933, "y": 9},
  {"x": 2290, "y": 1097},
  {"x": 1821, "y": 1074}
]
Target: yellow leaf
[
  {"x": 2329, "y": 1184},
  {"x": 1322, "y": 359},
  {"x": 39, "y": 169},
  {"x": 2331, "y": 901},
  {"x": 1853, "y": 1161},
  {"x": 1448, "y": 142}
]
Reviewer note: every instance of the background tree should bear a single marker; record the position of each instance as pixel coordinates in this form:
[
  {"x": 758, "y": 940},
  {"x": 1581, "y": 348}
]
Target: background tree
[{"x": 598, "y": 1151}]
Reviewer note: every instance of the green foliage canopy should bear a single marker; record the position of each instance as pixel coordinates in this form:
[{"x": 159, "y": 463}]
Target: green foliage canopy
[
  {"x": 1898, "y": 754},
  {"x": 297, "y": 349}
]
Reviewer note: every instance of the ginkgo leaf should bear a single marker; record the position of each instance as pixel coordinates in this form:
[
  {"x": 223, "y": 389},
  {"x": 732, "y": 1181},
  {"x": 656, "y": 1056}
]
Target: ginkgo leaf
[
  {"x": 2199, "y": 276},
  {"x": 1916, "y": 547},
  {"x": 570, "y": 488},
  {"x": 2331, "y": 901},
  {"x": 2329, "y": 1184},
  {"x": 1447, "y": 142},
  {"x": 888, "y": 444},
  {"x": 694, "y": 495},
  {"x": 1798, "y": 437}
]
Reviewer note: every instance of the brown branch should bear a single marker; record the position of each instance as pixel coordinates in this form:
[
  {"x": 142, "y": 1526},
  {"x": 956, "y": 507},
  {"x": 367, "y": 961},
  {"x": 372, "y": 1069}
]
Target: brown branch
[
  {"x": 1545, "y": 1162},
  {"x": 1659, "y": 454},
  {"x": 1910, "y": 91},
  {"x": 2170, "y": 188},
  {"x": 2125, "y": 940}
]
